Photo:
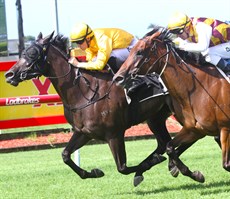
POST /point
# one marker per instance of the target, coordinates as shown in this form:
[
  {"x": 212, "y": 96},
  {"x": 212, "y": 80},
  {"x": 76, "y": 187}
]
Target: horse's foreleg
[
  {"x": 77, "y": 141},
  {"x": 157, "y": 125},
  {"x": 162, "y": 136},
  {"x": 117, "y": 146},
  {"x": 183, "y": 137},
  {"x": 172, "y": 166},
  {"x": 217, "y": 139},
  {"x": 225, "y": 144}
]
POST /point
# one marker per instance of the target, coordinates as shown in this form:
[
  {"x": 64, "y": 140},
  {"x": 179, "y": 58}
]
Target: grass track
[{"x": 43, "y": 175}]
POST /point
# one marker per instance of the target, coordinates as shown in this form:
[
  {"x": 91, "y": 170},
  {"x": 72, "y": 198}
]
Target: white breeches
[
  {"x": 123, "y": 53},
  {"x": 215, "y": 53}
]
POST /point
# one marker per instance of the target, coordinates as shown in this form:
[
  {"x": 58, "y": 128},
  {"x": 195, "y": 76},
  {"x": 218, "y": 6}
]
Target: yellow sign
[{"x": 32, "y": 87}]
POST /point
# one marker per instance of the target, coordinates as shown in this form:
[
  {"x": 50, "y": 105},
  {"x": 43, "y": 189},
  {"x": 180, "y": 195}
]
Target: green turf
[{"x": 43, "y": 175}]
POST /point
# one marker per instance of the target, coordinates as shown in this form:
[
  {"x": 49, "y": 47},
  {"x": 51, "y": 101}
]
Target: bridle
[
  {"x": 40, "y": 58},
  {"x": 33, "y": 55},
  {"x": 146, "y": 58}
]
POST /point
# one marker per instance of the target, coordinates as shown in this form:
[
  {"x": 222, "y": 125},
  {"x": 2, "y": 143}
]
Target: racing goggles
[
  {"x": 80, "y": 42},
  {"x": 177, "y": 31}
]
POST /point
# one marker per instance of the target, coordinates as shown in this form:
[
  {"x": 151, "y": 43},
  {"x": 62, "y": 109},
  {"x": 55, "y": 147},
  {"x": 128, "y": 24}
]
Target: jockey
[
  {"x": 102, "y": 46},
  {"x": 207, "y": 36}
]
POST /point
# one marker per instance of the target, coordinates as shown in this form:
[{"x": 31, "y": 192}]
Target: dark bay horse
[
  {"x": 94, "y": 106},
  {"x": 200, "y": 95}
]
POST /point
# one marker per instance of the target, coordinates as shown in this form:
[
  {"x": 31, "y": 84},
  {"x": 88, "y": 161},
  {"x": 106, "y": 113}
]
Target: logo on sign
[
  {"x": 43, "y": 90},
  {"x": 21, "y": 101}
]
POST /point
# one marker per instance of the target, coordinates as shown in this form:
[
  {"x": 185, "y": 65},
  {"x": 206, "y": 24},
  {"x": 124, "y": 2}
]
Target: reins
[
  {"x": 66, "y": 58},
  {"x": 194, "y": 75},
  {"x": 168, "y": 50},
  {"x": 167, "y": 58},
  {"x": 91, "y": 101},
  {"x": 87, "y": 82}
]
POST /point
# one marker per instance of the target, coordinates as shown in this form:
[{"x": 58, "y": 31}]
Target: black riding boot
[
  {"x": 112, "y": 62},
  {"x": 224, "y": 66}
]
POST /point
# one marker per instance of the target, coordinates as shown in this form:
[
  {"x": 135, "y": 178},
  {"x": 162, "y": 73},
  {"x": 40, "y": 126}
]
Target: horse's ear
[
  {"x": 156, "y": 34},
  {"x": 48, "y": 38},
  {"x": 39, "y": 36}
]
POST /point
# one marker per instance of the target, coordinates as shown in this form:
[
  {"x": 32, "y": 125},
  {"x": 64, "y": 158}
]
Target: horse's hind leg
[
  {"x": 225, "y": 144},
  {"x": 77, "y": 141}
]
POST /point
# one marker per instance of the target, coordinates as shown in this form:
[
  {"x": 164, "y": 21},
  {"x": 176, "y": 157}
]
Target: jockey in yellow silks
[
  {"x": 207, "y": 36},
  {"x": 100, "y": 45}
]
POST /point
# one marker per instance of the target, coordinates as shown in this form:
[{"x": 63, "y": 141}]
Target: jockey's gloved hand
[
  {"x": 73, "y": 61},
  {"x": 69, "y": 53},
  {"x": 179, "y": 43}
]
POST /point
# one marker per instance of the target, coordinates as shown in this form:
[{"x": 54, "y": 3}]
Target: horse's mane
[
  {"x": 167, "y": 37},
  {"x": 165, "y": 34},
  {"x": 61, "y": 42}
]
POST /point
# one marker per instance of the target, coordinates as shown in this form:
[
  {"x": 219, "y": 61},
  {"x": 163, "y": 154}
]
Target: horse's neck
[
  {"x": 81, "y": 87},
  {"x": 60, "y": 72},
  {"x": 187, "y": 80},
  {"x": 78, "y": 88}
]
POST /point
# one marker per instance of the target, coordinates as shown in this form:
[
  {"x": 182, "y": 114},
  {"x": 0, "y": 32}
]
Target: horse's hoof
[
  {"x": 198, "y": 176},
  {"x": 97, "y": 173},
  {"x": 227, "y": 167},
  {"x": 174, "y": 171},
  {"x": 138, "y": 180}
]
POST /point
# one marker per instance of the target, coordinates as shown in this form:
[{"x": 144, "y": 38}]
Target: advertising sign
[{"x": 22, "y": 104}]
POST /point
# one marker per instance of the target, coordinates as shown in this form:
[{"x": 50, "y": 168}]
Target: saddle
[{"x": 199, "y": 59}]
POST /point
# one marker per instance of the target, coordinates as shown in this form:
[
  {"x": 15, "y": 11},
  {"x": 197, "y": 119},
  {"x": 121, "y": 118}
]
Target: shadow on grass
[{"x": 204, "y": 189}]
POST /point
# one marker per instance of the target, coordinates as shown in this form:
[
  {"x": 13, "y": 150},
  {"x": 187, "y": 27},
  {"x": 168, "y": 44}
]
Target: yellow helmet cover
[
  {"x": 80, "y": 31},
  {"x": 178, "y": 21}
]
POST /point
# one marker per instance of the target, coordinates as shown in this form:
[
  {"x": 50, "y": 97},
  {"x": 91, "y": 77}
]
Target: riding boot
[
  {"x": 224, "y": 66},
  {"x": 112, "y": 63}
]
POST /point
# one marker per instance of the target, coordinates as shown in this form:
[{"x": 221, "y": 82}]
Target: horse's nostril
[
  {"x": 9, "y": 74},
  {"x": 119, "y": 79}
]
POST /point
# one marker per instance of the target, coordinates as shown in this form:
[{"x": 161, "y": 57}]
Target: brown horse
[
  {"x": 200, "y": 95},
  {"x": 94, "y": 106}
]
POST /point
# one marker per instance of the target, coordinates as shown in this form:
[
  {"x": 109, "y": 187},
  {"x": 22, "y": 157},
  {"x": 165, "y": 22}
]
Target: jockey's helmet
[
  {"x": 80, "y": 32},
  {"x": 178, "y": 22}
]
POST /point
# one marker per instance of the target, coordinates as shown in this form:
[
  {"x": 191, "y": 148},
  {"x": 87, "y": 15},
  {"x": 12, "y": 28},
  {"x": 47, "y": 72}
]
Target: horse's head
[
  {"x": 30, "y": 64},
  {"x": 148, "y": 54}
]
